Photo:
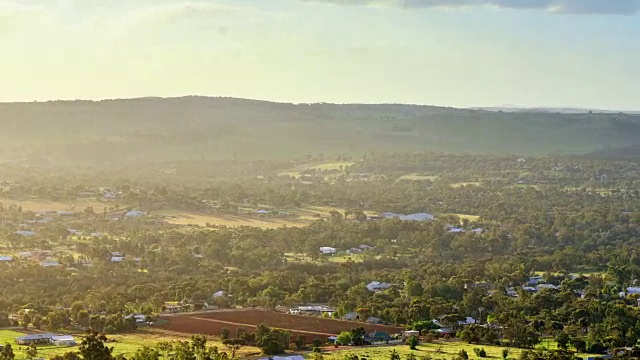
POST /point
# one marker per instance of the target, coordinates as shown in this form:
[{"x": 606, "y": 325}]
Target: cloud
[{"x": 578, "y": 7}]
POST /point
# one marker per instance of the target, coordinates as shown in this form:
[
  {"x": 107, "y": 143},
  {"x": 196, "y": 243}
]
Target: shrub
[
  {"x": 505, "y": 353},
  {"x": 462, "y": 355},
  {"x": 480, "y": 352}
]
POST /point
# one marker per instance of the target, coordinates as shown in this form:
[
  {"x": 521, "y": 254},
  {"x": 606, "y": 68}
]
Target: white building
[
  {"x": 378, "y": 286},
  {"x": 326, "y": 250}
]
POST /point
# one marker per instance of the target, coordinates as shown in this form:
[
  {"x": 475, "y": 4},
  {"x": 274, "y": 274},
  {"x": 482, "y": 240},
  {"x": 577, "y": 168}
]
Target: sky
[{"x": 462, "y": 53}]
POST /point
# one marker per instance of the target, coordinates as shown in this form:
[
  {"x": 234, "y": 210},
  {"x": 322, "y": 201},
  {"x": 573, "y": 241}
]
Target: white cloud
[{"x": 617, "y": 7}]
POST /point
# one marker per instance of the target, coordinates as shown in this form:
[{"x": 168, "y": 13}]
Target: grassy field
[
  {"x": 296, "y": 217},
  {"x": 442, "y": 350},
  {"x": 418, "y": 177},
  {"x": 126, "y": 344},
  {"x": 465, "y": 183},
  {"x": 466, "y": 216},
  {"x": 41, "y": 205}
]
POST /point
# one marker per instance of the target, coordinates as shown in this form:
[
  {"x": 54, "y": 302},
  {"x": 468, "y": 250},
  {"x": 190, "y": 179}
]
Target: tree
[
  {"x": 92, "y": 347},
  {"x": 6, "y": 353},
  {"x": 413, "y": 342},
  {"x": 563, "y": 340},
  {"x": 357, "y": 336},
  {"x": 462, "y": 355},
  {"x": 344, "y": 338},
  {"x": 32, "y": 351},
  {"x": 146, "y": 353},
  {"x": 412, "y": 356},
  {"x": 67, "y": 356},
  {"x": 37, "y": 321},
  {"x": 233, "y": 345},
  {"x": 26, "y": 320},
  {"x": 83, "y": 318},
  {"x": 394, "y": 355},
  {"x": 224, "y": 334},
  {"x": 300, "y": 340},
  {"x": 579, "y": 344},
  {"x": 505, "y": 353}
]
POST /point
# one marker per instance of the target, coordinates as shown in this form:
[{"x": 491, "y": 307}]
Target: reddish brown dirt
[{"x": 211, "y": 323}]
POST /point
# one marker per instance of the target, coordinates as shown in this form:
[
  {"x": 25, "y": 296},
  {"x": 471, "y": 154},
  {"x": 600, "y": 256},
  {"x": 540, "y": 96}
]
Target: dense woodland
[{"x": 574, "y": 219}]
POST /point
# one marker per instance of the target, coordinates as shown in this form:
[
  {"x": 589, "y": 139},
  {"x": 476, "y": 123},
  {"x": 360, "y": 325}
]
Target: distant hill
[
  {"x": 202, "y": 128},
  {"x": 564, "y": 110}
]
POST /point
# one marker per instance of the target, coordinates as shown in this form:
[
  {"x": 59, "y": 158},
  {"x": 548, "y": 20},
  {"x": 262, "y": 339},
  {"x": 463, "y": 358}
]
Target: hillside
[{"x": 199, "y": 128}]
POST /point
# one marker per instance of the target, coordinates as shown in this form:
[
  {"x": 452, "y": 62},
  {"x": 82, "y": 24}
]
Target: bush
[
  {"x": 480, "y": 352},
  {"x": 579, "y": 344},
  {"x": 505, "y": 353},
  {"x": 413, "y": 342},
  {"x": 462, "y": 355},
  {"x": 597, "y": 348}
]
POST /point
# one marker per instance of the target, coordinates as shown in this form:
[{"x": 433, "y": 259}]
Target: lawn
[
  {"x": 440, "y": 350},
  {"x": 41, "y": 205},
  {"x": 126, "y": 344}
]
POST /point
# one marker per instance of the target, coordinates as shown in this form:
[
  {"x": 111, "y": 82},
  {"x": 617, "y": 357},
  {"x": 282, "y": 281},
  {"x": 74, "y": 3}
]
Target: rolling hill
[{"x": 202, "y": 128}]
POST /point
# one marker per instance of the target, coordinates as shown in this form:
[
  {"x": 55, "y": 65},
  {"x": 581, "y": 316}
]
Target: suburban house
[
  {"x": 135, "y": 214},
  {"x": 352, "y": 316},
  {"x": 410, "y": 217},
  {"x": 312, "y": 310},
  {"x": 140, "y": 319},
  {"x": 64, "y": 340},
  {"x": 49, "y": 263},
  {"x": 42, "y": 338},
  {"x": 6, "y": 258},
  {"x": 410, "y": 333},
  {"x": 456, "y": 230},
  {"x": 326, "y": 250},
  {"x": 219, "y": 294},
  {"x": 377, "y": 337},
  {"x": 378, "y": 286},
  {"x": 26, "y": 233},
  {"x": 286, "y": 357}
]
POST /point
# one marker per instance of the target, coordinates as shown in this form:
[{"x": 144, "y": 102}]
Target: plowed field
[{"x": 212, "y": 323}]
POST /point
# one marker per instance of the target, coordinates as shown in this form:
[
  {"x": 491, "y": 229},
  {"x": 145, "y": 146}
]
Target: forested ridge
[{"x": 116, "y": 132}]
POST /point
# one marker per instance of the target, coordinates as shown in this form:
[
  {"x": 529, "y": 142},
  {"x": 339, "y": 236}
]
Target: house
[
  {"x": 140, "y": 319},
  {"x": 49, "y": 263},
  {"x": 26, "y": 233},
  {"x": 377, "y": 337},
  {"x": 110, "y": 196},
  {"x": 312, "y": 310},
  {"x": 219, "y": 294},
  {"x": 365, "y": 247},
  {"x": 326, "y": 250},
  {"x": 6, "y": 259},
  {"x": 374, "y": 320},
  {"x": 64, "y": 340},
  {"x": 453, "y": 229},
  {"x": 352, "y": 316},
  {"x": 285, "y": 357},
  {"x": 42, "y": 338},
  {"x": 410, "y": 217},
  {"x": 262, "y": 212},
  {"x": 533, "y": 280},
  {"x": 468, "y": 321},
  {"x": 547, "y": 286},
  {"x": 378, "y": 286},
  {"x": 410, "y": 333},
  {"x": 354, "y": 251},
  {"x": 478, "y": 231},
  {"x": 135, "y": 214},
  {"x": 117, "y": 259},
  {"x": 25, "y": 254}
]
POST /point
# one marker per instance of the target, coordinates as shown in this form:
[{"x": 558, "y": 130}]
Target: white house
[
  {"x": 218, "y": 294},
  {"x": 63, "y": 340},
  {"x": 26, "y": 233},
  {"x": 6, "y": 258},
  {"x": 378, "y": 286},
  {"x": 326, "y": 250},
  {"x": 410, "y": 217},
  {"x": 117, "y": 259},
  {"x": 135, "y": 214},
  {"x": 49, "y": 263},
  {"x": 287, "y": 357},
  {"x": 453, "y": 229}
]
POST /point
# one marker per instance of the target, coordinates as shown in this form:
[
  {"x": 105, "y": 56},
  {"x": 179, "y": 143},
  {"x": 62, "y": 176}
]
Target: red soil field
[{"x": 211, "y": 323}]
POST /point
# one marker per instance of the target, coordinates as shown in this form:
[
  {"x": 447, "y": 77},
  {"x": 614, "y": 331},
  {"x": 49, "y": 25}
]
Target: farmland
[{"x": 311, "y": 327}]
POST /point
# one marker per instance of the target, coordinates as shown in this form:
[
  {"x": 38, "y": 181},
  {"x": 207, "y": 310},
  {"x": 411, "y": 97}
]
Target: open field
[
  {"x": 465, "y": 183},
  {"x": 296, "y": 218},
  {"x": 41, "y": 205},
  {"x": 439, "y": 350},
  {"x": 311, "y": 327},
  {"x": 418, "y": 177},
  {"x": 466, "y": 216},
  {"x": 126, "y": 344}
]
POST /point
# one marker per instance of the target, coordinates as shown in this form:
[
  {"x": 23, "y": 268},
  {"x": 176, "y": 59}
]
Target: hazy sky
[{"x": 582, "y": 53}]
